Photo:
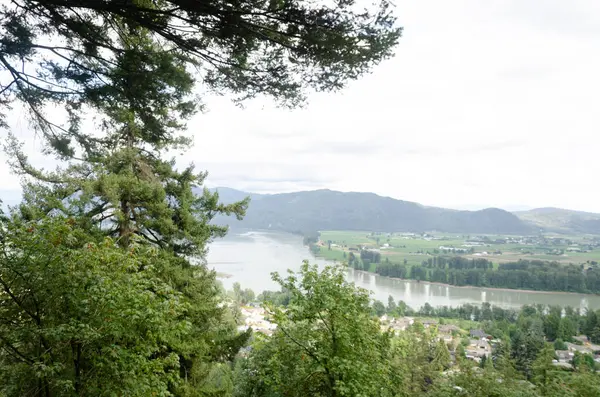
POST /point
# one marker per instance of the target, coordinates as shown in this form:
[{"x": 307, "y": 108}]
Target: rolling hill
[
  {"x": 561, "y": 220},
  {"x": 331, "y": 210}
]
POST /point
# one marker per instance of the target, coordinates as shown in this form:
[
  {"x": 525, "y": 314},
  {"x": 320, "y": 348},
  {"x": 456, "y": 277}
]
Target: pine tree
[
  {"x": 129, "y": 63},
  {"x": 120, "y": 187},
  {"x": 543, "y": 368},
  {"x": 248, "y": 48}
]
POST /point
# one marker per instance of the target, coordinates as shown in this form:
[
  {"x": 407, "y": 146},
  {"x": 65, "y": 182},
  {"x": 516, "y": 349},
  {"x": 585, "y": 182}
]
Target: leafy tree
[
  {"x": 326, "y": 342},
  {"x": 120, "y": 188},
  {"x": 84, "y": 318},
  {"x": 488, "y": 382},
  {"x": 582, "y": 383},
  {"x": 583, "y": 362},
  {"x": 552, "y": 324},
  {"x": 503, "y": 363},
  {"x": 392, "y": 307},
  {"x": 378, "y": 308},
  {"x": 241, "y": 296},
  {"x": 595, "y": 334},
  {"x": 460, "y": 352},
  {"x": 441, "y": 356},
  {"x": 559, "y": 344},
  {"x": 591, "y": 322},
  {"x": 566, "y": 329},
  {"x": 417, "y": 361}
]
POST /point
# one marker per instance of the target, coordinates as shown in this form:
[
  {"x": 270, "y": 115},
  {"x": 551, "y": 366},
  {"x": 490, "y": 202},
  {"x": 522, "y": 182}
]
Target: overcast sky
[{"x": 485, "y": 104}]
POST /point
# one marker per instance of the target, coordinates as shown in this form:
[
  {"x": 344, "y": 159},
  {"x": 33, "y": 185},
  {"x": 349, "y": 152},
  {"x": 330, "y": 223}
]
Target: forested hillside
[
  {"x": 330, "y": 210},
  {"x": 562, "y": 220}
]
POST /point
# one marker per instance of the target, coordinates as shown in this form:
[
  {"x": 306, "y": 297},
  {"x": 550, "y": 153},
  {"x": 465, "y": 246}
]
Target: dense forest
[{"x": 524, "y": 274}]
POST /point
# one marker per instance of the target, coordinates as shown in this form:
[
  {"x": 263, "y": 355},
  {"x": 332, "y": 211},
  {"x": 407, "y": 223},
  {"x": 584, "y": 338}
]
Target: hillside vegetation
[
  {"x": 331, "y": 210},
  {"x": 561, "y": 220}
]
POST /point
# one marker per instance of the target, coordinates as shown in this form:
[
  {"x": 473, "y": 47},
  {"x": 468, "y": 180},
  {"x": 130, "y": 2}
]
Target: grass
[{"x": 416, "y": 249}]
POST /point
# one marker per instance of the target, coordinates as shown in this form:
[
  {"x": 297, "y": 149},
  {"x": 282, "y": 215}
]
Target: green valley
[{"x": 545, "y": 263}]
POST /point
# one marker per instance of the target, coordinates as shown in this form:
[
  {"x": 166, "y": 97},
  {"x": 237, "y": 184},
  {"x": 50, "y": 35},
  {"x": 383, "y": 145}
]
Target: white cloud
[{"x": 482, "y": 106}]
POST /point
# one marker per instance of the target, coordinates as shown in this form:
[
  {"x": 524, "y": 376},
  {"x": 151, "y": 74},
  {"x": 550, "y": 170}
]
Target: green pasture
[{"x": 415, "y": 249}]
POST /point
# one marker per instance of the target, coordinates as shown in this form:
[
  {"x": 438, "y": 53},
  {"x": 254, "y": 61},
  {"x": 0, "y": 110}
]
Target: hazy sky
[{"x": 485, "y": 104}]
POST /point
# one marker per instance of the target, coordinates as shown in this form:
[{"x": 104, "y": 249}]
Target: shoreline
[
  {"x": 479, "y": 287},
  {"x": 532, "y": 291}
]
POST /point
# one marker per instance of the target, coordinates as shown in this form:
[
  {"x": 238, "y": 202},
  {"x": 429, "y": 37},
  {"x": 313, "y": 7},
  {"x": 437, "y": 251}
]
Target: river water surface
[{"x": 250, "y": 257}]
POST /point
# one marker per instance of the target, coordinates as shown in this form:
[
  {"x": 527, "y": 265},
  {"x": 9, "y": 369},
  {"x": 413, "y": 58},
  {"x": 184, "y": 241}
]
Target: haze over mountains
[{"x": 310, "y": 211}]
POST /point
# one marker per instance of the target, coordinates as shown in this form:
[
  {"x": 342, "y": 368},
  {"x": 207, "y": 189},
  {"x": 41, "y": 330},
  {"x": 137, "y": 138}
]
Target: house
[
  {"x": 477, "y": 333},
  {"x": 564, "y": 356},
  {"x": 256, "y": 318},
  {"x": 581, "y": 349},
  {"x": 428, "y": 323},
  {"x": 401, "y": 324},
  {"x": 448, "y": 328},
  {"x": 477, "y": 349}
]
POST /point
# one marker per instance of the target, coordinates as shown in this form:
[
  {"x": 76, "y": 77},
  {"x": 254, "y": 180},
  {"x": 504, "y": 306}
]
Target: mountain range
[{"x": 309, "y": 211}]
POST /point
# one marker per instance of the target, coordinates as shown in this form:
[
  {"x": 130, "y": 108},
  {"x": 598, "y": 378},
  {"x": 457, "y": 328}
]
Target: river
[{"x": 250, "y": 257}]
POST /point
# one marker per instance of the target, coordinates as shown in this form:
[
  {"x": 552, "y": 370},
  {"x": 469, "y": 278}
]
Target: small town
[{"x": 475, "y": 342}]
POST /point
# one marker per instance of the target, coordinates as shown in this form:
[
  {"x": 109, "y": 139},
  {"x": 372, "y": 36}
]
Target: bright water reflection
[{"x": 250, "y": 257}]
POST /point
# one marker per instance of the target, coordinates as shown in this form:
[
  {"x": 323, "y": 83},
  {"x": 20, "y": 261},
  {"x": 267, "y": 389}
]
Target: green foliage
[
  {"x": 559, "y": 344},
  {"x": 526, "y": 345},
  {"x": 275, "y": 298},
  {"x": 417, "y": 361},
  {"x": 84, "y": 318},
  {"x": 119, "y": 184},
  {"x": 247, "y": 48},
  {"x": 129, "y": 313},
  {"x": 121, "y": 189},
  {"x": 486, "y": 382},
  {"x": 542, "y": 367},
  {"x": 326, "y": 342},
  {"x": 378, "y": 308},
  {"x": 521, "y": 274},
  {"x": 242, "y": 297}
]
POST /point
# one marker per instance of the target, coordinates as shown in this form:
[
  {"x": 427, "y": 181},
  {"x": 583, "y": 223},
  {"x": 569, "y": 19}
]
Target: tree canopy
[
  {"x": 104, "y": 287},
  {"x": 326, "y": 342},
  {"x": 70, "y": 52}
]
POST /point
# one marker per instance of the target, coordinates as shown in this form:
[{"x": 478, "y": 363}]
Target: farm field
[{"x": 413, "y": 249}]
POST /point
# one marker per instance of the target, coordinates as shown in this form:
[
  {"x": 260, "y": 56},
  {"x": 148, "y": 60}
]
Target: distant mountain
[
  {"x": 331, "y": 210},
  {"x": 228, "y": 195},
  {"x": 561, "y": 220}
]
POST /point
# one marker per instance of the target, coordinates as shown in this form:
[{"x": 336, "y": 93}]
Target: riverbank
[
  {"x": 505, "y": 289},
  {"x": 251, "y": 259},
  {"x": 530, "y": 291}
]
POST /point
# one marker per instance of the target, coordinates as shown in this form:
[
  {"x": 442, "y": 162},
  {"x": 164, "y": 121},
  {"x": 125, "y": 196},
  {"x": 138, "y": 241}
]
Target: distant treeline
[
  {"x": 555, "y": 322},
  {"x": 523, "y": 274}
]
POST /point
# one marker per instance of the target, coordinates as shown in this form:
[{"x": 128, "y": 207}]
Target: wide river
[{"x": 250, "y": 257}]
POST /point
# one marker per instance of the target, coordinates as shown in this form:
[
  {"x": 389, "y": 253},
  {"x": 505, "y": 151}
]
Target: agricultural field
[{"x": 413, "y": 249}]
